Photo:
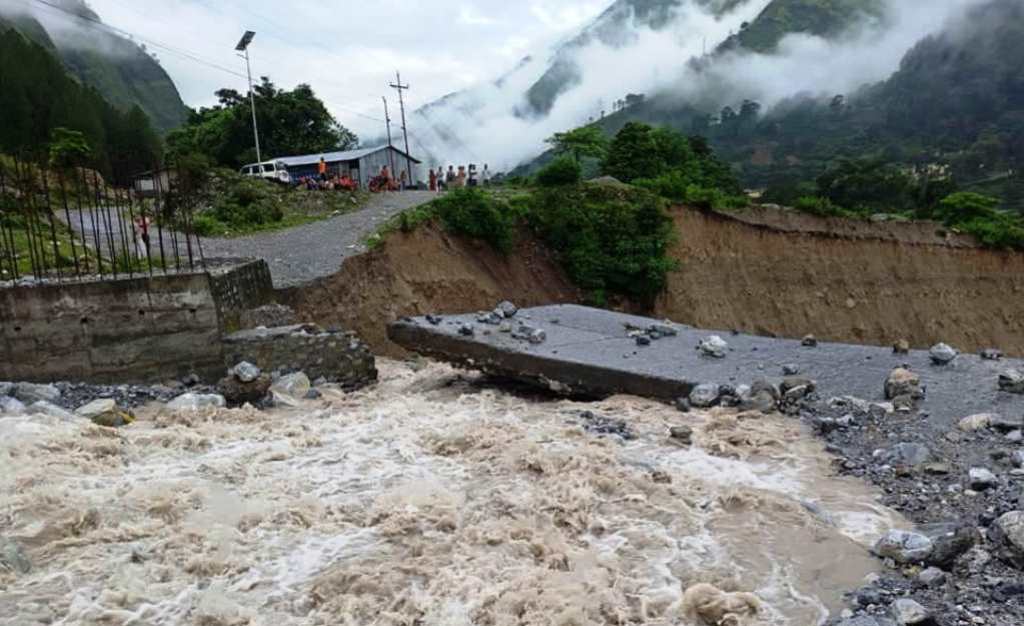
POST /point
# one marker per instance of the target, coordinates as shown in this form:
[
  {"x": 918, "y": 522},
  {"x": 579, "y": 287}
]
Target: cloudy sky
[{"x": 348, "y": 50}]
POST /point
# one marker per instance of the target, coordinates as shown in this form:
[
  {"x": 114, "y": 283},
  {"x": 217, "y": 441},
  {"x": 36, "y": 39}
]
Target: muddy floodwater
[{"x": 428, "y": 499}]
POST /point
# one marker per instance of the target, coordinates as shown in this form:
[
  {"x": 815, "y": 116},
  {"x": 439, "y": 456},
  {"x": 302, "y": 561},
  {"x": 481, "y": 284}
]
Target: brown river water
[{"x": 429, "y": 500}]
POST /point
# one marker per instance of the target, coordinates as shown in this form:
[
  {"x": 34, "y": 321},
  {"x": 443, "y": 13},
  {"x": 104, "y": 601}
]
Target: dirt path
[{"x": 298, "y": 255}]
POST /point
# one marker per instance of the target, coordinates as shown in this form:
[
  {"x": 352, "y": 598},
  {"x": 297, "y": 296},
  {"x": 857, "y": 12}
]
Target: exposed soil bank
[
  {"x": 763, "y": 271},
  {"x": 428, "y": 271},
  {"x": 779, "y": 273}
]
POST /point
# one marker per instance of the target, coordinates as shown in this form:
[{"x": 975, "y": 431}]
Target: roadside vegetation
[{"x": 233, "y": 205}]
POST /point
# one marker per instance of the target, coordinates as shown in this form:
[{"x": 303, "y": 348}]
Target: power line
[
  {"x": 93, "y": 22},
  {"x": 96, "y": 23}
]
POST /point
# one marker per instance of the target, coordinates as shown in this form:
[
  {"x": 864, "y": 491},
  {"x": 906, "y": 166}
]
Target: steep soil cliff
[
  {"x": 428, "y": 271},
  {"x": 776, "y": 272},
  {"x": 765, "y": 271}
]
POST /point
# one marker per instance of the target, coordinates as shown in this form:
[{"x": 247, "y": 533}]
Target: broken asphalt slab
[{"x": 591, "y": 352}]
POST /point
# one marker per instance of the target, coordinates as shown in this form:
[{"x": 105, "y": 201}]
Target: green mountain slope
[
  {"x": 120, "y": 70},
  {"x": 825, "y": 18},
  {"x": 37, "y": 96}
]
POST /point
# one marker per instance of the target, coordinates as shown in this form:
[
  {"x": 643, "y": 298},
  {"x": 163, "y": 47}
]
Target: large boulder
[
  {"x": 904, "y": 547},
  {"x": 1007, "y": 534},
  {"x": 245, "y": 372},
  {"x": 1012, "y": 381},
  {"x": 31, "y": 392},
  {"x": 105, "y": 412},
  {"x": 237, "y": 391},
  {"x": 903, "y": 382},
  {"x": 196, "y": 401}
]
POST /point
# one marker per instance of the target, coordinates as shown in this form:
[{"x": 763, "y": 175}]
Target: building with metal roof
[{"x": 361, "y": 165}]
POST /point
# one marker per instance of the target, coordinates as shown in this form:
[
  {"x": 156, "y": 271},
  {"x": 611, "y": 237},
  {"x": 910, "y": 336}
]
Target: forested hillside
[
  {"x": 38, "y": 96},
  {"x": 119, "y": 69}
]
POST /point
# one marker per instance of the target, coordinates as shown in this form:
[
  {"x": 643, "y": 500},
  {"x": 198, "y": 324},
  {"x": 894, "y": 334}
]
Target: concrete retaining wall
[
  {"x": 238, "y": 287},
  {"x": 110, "y": 331}
]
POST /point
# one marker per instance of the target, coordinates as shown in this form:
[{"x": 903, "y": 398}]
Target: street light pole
[{"x": 243, "y": 46}]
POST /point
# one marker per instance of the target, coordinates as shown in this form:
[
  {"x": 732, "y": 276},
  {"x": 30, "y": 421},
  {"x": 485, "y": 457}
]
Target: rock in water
[
  {"x": 237, "y": 392},
  {"x": 704, "y": 396},
  {"x": 105, "y": 412},
  {"x": 1008, "y": 535},
  {"x": 714, "y": 346},
  {"x": 11, "y": 406},
  {"x": 30, "y": 392},
  {"x": 46, "y": 408},
  {"x": 714, "y": 606},
  {"x": 13, "y": 558},
  {"x": 943, "y": 354},
  {"x": 904, "y": 547},
  {"x": 1012, "y": 381},
  {"x": 290, "y": 388},
  {"x": 907, "y": 612},
  {"x": 682, "y": 434},
  {"x": 810, "y": 341},
  {"x": 901, "y": 347},
  {"x": 245, "y": 372},
  {"x": 196, "y": 401},
  {"x": 903, "y": 382}
]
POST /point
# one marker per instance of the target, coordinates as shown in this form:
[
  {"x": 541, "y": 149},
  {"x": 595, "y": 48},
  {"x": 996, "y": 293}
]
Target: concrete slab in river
[{"x": 590, "y": 351}]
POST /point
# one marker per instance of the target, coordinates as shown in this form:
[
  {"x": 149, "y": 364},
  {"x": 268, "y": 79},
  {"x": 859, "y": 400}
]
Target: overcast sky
[{"x": 348, "y": 50}]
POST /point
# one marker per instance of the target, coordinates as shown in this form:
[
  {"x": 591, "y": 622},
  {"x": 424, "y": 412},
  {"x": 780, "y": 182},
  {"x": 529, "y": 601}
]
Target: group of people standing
[{"x": 442, "y": 180}]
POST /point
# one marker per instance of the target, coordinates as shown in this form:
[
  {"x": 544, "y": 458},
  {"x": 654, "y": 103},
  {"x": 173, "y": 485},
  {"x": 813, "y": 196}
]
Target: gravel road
[{"x": 305, "y": 253}]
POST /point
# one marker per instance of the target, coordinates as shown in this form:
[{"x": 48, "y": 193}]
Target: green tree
[
  {"x": 586, "y": 141},
  {"x": 634, "y": 154},
  {"x": 68, "y": 148},
  {"x": 564, "y": 170},
  {"x": 290, "y": 123}
]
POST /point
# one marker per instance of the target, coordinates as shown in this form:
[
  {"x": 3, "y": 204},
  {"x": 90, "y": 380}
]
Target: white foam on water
[{"x": 427, "y": 499}]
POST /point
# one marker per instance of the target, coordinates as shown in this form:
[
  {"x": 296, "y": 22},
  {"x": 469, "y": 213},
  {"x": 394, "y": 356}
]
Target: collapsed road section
[{"x": 584, "y": 351}]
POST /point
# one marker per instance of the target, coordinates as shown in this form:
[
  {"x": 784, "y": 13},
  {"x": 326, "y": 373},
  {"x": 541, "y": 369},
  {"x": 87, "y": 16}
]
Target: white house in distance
[{"x": 361, "y": 165}]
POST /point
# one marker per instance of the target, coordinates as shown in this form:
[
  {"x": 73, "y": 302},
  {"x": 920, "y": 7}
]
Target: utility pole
[
  {"x": 243, "y": 46},
  {"x": 387, "y": 121},
  {"x": 405, "y": 131}
]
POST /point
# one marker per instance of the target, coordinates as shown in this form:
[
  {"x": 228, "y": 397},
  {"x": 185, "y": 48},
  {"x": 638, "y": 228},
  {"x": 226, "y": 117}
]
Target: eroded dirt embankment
[
  {"x": 428, "y": 271},
  {"x": 776, "y": 273},
  {"x": 763, "y": 271}
]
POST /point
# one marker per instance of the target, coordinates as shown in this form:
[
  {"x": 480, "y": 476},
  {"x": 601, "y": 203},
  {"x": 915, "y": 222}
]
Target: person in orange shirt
[{"x": 322, "y": 169}]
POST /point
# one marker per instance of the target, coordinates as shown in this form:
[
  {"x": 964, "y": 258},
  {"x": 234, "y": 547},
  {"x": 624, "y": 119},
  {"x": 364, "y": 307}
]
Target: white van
[{"x": 270, "y": 170}]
